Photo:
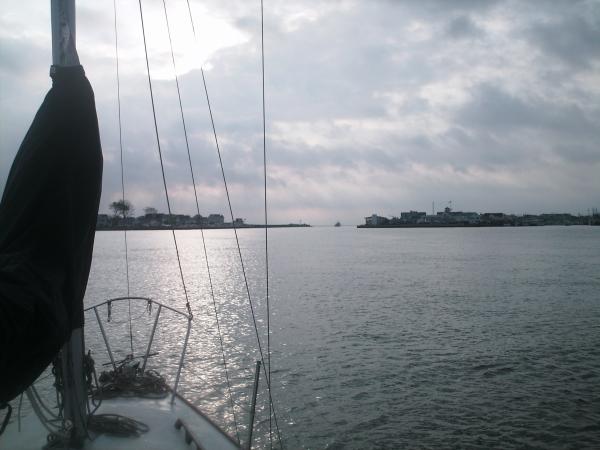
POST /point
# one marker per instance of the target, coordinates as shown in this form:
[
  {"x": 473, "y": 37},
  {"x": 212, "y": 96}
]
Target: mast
[{"x": 64, "y": 54}]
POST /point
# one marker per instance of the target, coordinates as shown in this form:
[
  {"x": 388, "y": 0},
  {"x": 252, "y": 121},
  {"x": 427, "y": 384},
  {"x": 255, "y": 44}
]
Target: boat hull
[{"x": 160, "y": 415}]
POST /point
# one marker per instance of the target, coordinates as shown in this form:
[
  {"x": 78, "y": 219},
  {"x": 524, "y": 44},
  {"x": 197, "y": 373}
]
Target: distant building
[
  {"x": 154, "y": 220},
  {"x": 181, "y": 220},
  {"x": 216, "y": 219},
  {"x": 496, "y": 219},
  {"x": 558, "y": 219},
  {"x": 449, "y": 216},
  {"x": 430, "y": 219},
  {"x": 128, "y": 222},
  {"x": 412, "y": 216},
  {"x": 102, "y": 221},
  {"x": 375, "y": 220},
  {"x": 529, "y": 220}
]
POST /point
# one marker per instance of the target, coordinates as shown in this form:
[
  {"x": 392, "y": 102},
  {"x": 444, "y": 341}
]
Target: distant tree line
[
  {"x": 122, "y": 216},
  {"x": 122, "y": 208}
]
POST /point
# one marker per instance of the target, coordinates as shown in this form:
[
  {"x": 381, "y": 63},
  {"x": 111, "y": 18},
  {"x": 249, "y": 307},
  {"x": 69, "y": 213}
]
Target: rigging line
[
  {"x": 162, "y": 167},
  {"x": 243, "y": 268},
  {"x": 122, "y": 170},
  {"x": 239, "y": 250},
  {"x": 187, "y": 145},
  {"x": 262, "y": 47}
]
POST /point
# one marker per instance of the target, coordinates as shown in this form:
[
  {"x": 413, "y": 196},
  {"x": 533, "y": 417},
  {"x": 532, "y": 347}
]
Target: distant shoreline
[
  {"x": 470, "y": 219},
  {"x": 188, "y": 227},
  {"x": 469, "y": 225}
]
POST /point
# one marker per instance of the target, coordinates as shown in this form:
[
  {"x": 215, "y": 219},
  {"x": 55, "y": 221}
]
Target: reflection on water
[
  {"x": 154, "y": 273},
  {"x": 441, "y": 338}
]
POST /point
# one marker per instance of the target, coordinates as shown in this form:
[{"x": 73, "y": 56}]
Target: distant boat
[{"x": 337, "y": 224}]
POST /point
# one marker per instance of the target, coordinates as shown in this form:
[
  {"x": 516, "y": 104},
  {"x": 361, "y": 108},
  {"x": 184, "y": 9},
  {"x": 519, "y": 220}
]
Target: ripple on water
[{"x": 390, "y": 339}]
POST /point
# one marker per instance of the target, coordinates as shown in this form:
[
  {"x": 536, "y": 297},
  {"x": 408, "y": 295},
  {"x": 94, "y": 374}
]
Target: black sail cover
[{"x": 47, "y": 224}]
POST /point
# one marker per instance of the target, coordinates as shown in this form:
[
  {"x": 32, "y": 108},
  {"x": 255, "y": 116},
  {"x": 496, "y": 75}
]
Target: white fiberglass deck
[{"x": 159, "y": 415}]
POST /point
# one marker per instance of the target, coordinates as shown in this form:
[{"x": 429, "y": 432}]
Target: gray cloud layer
[{"x": 374, "y": 106}]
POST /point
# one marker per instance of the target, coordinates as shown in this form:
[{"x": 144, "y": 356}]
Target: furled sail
[{"x": 47, "y": 224}]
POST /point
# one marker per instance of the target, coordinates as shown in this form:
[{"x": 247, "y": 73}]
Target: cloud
[
  {"x": 574, "y": 40},
  {"x": 495, "y": 109},
  {"x": 463, "y": 27}
]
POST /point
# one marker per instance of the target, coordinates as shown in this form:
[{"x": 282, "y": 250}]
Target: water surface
[{"x": 385, "y": 338}]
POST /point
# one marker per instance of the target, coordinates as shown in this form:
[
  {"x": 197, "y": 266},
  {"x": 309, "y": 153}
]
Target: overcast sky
[{"x": 372, "y": 106}]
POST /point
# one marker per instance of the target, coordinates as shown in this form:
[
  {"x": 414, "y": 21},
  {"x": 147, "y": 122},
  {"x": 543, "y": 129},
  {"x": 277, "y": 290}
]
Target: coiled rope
[
  {"x": 128, "y": 380},
  {"x": 116, "y": 425}
]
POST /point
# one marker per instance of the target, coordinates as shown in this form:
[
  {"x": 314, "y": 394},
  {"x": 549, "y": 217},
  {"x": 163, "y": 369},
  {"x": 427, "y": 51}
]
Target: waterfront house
[{"x": 375, "y": 220}]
